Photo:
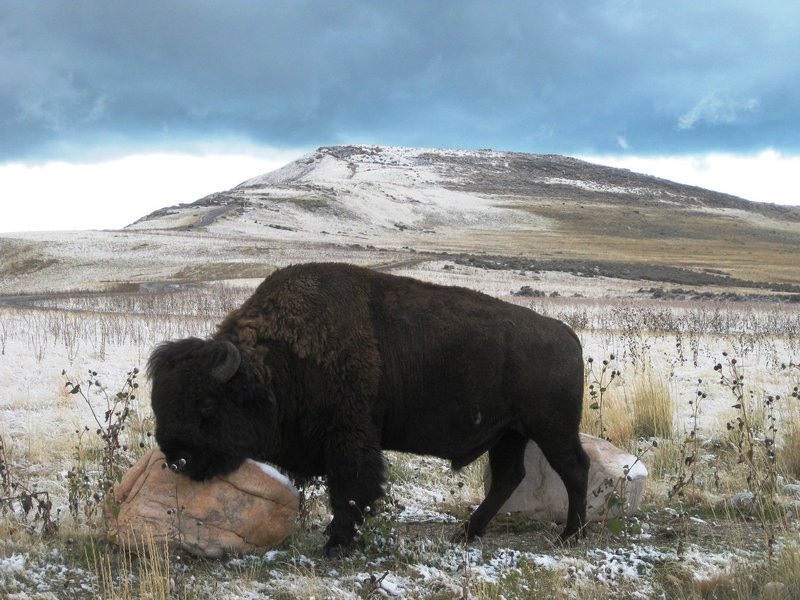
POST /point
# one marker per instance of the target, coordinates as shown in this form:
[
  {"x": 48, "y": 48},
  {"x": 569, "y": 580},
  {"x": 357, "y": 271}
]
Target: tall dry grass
[
  {"x": 653, "y": 403},
  {"x": 789, "y": 456},
  {"x": 635, "y": 405},
  {"x": 145, "y": 571}
]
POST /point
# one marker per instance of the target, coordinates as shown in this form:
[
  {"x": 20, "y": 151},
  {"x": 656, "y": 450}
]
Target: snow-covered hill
[
  {"x": 363, "y": 192},
  {"x": 352, "y": 193},
  {"x": 378, "y": 205}
]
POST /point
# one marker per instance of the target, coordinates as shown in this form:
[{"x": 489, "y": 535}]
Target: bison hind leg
[
  {"x": 506, "y": 460},
  {"x": 571, "y": 463}
]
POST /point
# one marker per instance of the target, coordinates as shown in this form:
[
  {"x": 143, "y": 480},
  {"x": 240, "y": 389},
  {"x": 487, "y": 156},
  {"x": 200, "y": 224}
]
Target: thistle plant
[
  {"x": 754, "y": 438},
  {"x": 690, "y": 448},
  {"x": 90, "y": 489},
  {"x": 599, "y": 383}
]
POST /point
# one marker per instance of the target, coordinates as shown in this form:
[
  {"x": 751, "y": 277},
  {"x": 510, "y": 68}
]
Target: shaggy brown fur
[{"x": 334, "y": 363}]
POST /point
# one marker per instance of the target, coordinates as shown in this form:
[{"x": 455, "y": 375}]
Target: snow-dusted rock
[
  {"x": 792, "y": 490},
  {"x": 542, "y": 494},
  {"x": 251, "y": 509},
  {"x": 744, "y": 502}
]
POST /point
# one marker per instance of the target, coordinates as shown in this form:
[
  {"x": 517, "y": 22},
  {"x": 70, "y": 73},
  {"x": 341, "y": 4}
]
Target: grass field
[{"x": 706, "y": 393}]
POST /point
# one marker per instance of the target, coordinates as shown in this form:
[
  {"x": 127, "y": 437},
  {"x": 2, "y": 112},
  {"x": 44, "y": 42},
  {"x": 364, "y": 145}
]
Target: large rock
[
  {"x": 251, "y": 509},
  {"x": 542, "y": 494}
]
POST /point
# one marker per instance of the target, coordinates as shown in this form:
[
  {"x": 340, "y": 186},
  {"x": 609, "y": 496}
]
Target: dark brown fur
[{"x": 340, "y": 362}]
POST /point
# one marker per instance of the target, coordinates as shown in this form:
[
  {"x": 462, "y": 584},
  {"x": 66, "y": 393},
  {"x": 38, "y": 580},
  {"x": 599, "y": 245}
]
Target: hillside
[{"x": 382, "y": 206}]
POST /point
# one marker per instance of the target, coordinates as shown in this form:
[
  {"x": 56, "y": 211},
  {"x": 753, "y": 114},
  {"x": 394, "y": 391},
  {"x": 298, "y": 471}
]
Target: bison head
[{"x": 203, "y": 398}]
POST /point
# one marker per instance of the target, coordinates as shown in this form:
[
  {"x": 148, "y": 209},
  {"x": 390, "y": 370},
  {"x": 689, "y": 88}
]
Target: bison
[{"x": 326, "y": 365}]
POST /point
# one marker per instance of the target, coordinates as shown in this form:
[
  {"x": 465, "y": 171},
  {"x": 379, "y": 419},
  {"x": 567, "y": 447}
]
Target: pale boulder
[
  {"x": 542, "y": 494},
  {"x": 251, "y": 509}
]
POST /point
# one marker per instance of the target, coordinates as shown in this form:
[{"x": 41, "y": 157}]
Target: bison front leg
[{"x": 355, "y": 470}]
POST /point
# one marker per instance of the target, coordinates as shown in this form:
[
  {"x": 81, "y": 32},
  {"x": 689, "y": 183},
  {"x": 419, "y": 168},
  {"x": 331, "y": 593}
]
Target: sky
[{"x": 110, "y": 110}]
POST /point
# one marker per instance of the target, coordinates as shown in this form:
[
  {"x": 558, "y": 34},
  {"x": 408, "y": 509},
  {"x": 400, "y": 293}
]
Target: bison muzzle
[{"x": 326, "y": 365}]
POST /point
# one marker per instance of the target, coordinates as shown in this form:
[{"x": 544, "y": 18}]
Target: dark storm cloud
[{"x": 651, "y": 77}]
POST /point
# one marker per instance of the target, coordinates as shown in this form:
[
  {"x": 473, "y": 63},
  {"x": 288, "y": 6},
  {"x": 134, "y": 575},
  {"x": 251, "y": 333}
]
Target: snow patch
[
  {"x": 271, "y": 471},
  {"x": 594, "y": 186},
  {"x": 11, "y": 565}
]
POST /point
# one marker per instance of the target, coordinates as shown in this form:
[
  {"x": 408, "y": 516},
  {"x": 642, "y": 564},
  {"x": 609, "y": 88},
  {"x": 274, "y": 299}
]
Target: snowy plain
[{"x": 40, "y": 421}]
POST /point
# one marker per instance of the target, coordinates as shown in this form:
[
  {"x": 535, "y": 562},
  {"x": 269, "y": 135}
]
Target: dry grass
[
  {"x": 142, "y": 572},
  {"x": 789, "y": 456},
  {"x": 778, "y": 579},
  {"x": 642, "y": 406},
  {"x": 639, "y": 403},
  {"x": 653, "y": 406},
  {"x": 752, "y": 249}
]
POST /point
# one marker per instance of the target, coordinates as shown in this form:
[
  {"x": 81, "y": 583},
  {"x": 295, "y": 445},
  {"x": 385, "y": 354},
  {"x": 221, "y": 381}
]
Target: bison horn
[{"x": 227, "y": 369}]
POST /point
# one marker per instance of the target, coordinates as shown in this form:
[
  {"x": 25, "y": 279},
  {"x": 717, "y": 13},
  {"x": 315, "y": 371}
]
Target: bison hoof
[
  {"x": 570, "y": 539},
  {"x": 566, "y": 542},
  {"x": 462, "y": 535},
  {"x": 336, "y": 550}
]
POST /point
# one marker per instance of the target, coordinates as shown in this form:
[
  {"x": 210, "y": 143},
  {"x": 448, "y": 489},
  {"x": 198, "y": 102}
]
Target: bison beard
[{"x": 326, "y": 365}]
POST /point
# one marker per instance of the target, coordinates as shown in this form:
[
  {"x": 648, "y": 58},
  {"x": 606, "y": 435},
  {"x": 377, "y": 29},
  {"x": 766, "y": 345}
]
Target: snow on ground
[
  {"x": 359, "y": 195},
  {"x": 271, "y": 471},
  {"x": 387, "y": 201},
  {"x": 454, "y": 570},
  {"x": 594, "y": 186},
  {"x": 451, "y": 571},
  {"x": 91, "y": 259},
  {"x": 384, "y": 163},
  {"x": 39, "y": 418},
  {"x": 35, "y": 407},
  {"x": 37, "y": 345}
]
